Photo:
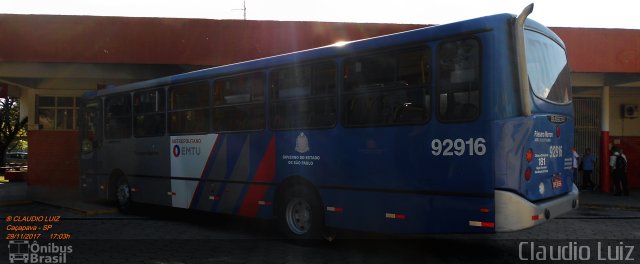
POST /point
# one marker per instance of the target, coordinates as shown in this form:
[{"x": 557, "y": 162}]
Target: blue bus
[{"x": 458, "y": 128}]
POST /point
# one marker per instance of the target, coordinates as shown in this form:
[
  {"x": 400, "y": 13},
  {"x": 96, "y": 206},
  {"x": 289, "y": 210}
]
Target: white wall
[{"x": 619, "y": 126}]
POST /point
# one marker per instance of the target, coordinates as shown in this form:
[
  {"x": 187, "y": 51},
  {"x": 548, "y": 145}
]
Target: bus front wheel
[
  {"x": 123, "y": 195},
  {"x": 300, "y": 215}
]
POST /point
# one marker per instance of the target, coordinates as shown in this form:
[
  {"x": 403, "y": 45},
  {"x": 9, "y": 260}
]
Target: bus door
[{"x": 90, "y": 143}]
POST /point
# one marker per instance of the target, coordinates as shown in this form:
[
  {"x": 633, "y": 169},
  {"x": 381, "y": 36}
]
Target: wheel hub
[{"x": 298, "y": 216}]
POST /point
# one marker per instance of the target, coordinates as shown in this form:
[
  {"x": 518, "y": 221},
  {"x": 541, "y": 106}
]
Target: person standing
[
  {"x": 618, "y": 164},
  {"x": 587, "y": 164}
]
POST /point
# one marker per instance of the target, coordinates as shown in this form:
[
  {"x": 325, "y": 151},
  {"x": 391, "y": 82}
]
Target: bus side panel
[
  {"x": 118, "y": 155},
  {"x": 407, "y": 213},
  {"x": 129, "y": 158},
  {"x": 511, "y": 137},
  {"x": 95, "y": 185},
  {"x": 189, "y": 157},
  {"x": 149, "y": 156},
  {"x": 393, "y": 170},
  {"x": 311, "y": 154},
  {"x": 239, "y": 171},
  {"x": 150, "y": 190},
  {"x": 403, "y": 158}
]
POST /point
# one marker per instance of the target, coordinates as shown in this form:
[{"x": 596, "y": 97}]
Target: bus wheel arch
[
  {"x": 120, "y": 190},
  {"x": 299, "y": 209}
]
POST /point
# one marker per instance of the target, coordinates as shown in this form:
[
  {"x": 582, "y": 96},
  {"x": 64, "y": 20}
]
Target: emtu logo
[
  {"x": 176, "y": 151},
  {"x": 185, "y": 151}
]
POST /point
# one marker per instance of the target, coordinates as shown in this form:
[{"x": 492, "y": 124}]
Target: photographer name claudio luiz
[{"x": 614, "y": 251}]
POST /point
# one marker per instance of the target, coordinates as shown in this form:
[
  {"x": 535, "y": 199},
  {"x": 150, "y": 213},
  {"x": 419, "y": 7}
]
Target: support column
[
  {"x": 605, "y": 176},
  {"x": 27, "y": 104}
]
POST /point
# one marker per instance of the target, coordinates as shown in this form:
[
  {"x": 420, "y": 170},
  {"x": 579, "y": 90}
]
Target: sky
[{"x": 553, "y": 13}]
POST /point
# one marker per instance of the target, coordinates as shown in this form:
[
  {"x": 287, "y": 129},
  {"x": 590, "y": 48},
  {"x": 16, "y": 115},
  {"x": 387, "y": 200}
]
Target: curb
[
  {"x": 602, "y": 206},
  {"x": 15, "y": 202},
  {"x": 85, "y": 212}
]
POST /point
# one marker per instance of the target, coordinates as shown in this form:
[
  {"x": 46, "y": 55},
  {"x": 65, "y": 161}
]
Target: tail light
[
  {"x": 529, "y": 155},
  {"x": 527, "y": 174}
]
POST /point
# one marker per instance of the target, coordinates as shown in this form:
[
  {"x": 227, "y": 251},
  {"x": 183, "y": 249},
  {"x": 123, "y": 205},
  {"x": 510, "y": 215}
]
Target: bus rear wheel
[
  {"x": 123, "y": 195},
  {"x": 300, "y": 215}
]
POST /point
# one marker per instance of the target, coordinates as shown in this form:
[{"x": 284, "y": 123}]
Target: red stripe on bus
[
  {"x": 265, "y": 173},
  {"x": 203, "y": 174}
]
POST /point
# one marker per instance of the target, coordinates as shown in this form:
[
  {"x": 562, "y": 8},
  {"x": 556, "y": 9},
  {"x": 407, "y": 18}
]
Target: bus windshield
[{"x": 548, "y": 68}]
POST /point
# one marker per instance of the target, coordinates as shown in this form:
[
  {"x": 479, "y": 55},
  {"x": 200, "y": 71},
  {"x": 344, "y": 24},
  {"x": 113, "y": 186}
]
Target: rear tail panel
[
  {"x": 533, "y": 171},
  {"x": 533, "y": 157},
  {"x": 548, "y": 158}
]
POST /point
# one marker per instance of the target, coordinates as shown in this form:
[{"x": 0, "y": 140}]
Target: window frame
[
  {"x": 437, "y": 87},
  {"x": 250, "y": 103},
  {"x": 205, "y": 108},
  {"x": 107, "y": 118},
  {"x": 425, "y": 89},
  {"x": 74, "y": 108},
  {"x": 160, "y": 111},
  {"x": 308, "y": 100},
  {"x": 567, "y": 68}
]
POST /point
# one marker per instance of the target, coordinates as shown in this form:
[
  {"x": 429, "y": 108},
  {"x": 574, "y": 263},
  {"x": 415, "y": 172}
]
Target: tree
[{"x": 10, "y": 125}]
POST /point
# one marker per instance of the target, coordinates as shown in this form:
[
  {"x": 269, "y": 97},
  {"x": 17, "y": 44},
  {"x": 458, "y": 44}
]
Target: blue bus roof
[{"x": 397, "y": 39}]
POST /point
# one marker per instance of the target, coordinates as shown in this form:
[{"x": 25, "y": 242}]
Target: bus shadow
[{"x": 263, "y": 236}]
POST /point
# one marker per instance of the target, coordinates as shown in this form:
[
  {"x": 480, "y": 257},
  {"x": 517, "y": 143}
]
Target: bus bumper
[{"x": 513, "y": 212}]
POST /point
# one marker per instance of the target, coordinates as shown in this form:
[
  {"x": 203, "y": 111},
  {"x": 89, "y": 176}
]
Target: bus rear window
[{"x": 548, "y": 68}]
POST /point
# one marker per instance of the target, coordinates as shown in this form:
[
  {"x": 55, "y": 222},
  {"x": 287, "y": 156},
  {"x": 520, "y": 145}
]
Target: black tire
[
  {"x": 122, "y": 193},
  {"x": 300, "y": 215}
]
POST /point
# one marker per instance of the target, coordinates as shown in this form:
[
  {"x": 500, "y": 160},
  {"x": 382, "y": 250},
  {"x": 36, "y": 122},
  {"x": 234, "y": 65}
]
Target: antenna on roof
[{"x": 244, "y": 9}]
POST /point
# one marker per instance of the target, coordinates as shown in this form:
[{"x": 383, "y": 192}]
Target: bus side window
[
  {"x": 239, "y": 103},
  {"x": 459, "y": 80},
  {"x": 189, "y": 108},
  {"x": 117, "y": 121},
  {"x": 90, "y": 121},
  {"x": 390, "y": 88},
  {"x": 149, "y": 114},
  {"x": 304, "y": 96}
]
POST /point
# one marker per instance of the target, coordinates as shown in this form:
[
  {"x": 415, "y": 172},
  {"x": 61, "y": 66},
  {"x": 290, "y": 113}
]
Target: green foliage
[{"x": 13, "y": 134}]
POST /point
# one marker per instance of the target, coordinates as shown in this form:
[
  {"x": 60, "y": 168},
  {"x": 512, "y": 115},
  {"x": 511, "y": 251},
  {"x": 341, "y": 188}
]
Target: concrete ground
[{"x": 99, "y": 234}]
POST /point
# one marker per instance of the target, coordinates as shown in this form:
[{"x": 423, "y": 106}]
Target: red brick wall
[{"x": 54, "y": 158}]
